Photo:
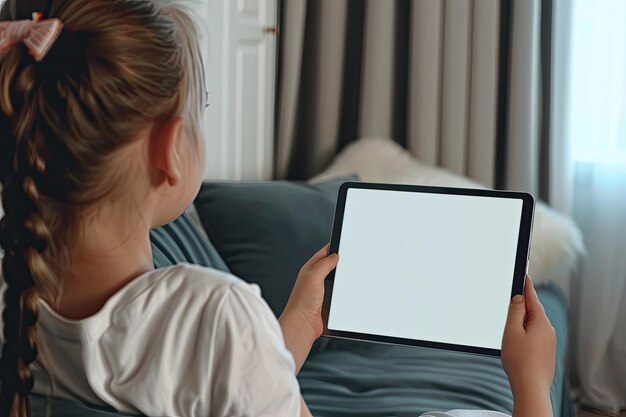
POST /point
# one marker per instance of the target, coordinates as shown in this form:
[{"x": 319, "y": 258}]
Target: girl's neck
[{"x": 105, "y": 257}]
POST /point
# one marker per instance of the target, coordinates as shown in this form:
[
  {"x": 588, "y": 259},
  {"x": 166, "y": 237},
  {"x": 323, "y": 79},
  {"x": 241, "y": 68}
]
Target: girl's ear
[{"x": 166, "y": 151}]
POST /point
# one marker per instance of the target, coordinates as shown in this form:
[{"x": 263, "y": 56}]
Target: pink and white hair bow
[{"x": 37, "y": 35}]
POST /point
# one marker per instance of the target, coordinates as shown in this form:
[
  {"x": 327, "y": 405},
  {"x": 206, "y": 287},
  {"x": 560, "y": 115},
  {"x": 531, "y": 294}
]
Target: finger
[
  {"x": 321, "y": 254},
  {"x": 517, "y": 314},
  {"x": 534, "y": 308},
  {"x": 324, "y": 266}
]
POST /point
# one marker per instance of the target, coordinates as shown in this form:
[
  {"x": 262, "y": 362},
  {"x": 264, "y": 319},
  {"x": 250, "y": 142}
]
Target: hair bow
[{"x": 37, "y": 35}]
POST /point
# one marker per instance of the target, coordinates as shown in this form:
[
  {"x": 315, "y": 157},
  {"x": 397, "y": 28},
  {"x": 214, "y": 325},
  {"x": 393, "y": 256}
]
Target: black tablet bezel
[{"x": 519, "y": 273}]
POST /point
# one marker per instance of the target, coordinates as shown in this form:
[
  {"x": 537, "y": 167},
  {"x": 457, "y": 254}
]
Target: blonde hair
[{"x": 116, "y": 65}]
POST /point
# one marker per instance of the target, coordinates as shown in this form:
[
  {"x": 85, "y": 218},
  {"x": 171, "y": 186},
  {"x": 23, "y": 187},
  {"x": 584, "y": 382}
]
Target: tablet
[{"x": 426, "y": 266}]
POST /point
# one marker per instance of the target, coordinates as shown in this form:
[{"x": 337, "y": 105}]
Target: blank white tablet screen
[{"x": 432, "y": 267}]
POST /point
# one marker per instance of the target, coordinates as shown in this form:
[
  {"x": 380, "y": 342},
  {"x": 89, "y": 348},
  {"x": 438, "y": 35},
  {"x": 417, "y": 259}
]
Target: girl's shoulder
[
  {"x": 207, "y": 288},
  {"x": 190, "y": 280},
  {"x": 185, "y": 291}
]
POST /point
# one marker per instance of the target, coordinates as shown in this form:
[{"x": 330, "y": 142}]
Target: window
[{"x": 597, "y": 82}]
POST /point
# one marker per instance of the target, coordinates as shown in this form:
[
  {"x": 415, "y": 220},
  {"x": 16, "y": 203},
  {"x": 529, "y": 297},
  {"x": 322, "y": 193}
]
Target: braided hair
[{"x": 116, "y": 65}]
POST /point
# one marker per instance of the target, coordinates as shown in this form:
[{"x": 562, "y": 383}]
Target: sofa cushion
[
  {"x": 266, "y": 231},
  {"x": 65, "y": 408},
  {"x": 182, "y": 241}
]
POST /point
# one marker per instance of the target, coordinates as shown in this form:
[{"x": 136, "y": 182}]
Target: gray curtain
[{"x": 461, "y": 84}]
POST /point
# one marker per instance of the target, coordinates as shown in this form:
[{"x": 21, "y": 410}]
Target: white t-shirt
[{"x": 177, "y": 341}]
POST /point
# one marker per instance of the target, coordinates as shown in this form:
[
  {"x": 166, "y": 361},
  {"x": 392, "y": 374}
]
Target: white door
[{"x": 241, "y": 83}]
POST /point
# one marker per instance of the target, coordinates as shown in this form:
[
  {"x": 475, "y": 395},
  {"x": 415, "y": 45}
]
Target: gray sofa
[{"x": 343, "y": 378}]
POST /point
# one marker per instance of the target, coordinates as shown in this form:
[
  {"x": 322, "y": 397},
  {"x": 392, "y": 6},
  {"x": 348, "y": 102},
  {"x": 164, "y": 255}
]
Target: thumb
[
  {"x": 323, "y": 267},
  {"x": 517, "y": 314},
  {"x": 534, "y": 307}
]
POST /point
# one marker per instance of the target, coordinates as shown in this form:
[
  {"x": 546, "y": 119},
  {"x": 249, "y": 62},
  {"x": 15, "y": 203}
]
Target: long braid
[
  {"x": 25, "y": 237},
  {"x": 117, "y": 65}
]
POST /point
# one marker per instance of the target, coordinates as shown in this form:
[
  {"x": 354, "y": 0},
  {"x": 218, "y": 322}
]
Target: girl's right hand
[{"x": 529, "y": 348}]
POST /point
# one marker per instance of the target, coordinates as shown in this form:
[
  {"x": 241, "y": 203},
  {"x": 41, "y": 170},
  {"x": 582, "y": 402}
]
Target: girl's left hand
[
  {"x": 307, "y": 295},
  {"x": 301, "y": 321}
]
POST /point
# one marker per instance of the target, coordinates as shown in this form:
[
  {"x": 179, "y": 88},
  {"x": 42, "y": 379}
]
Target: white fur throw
[{"x": 556, "y": 243}]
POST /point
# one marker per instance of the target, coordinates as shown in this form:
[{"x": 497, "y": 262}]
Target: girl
[{"x": 100, "y": 112}]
